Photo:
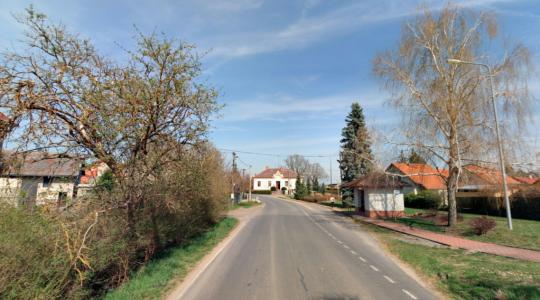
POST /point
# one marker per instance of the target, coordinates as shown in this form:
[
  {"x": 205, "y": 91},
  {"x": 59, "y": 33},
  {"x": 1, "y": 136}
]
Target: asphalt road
[{"x": 294, "y": 251}]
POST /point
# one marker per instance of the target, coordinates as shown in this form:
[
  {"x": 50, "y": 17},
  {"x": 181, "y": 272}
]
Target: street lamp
[{"x": 501, "y": 154}]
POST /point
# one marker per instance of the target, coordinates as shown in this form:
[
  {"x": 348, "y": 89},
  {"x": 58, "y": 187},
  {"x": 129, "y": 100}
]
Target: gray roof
[{"x": 42, "y": 165}]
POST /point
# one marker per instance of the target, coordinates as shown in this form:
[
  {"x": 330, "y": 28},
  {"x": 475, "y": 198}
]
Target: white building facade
[
  {"x": 378, "y": 196},
  {"x": 278, "y": 179}
]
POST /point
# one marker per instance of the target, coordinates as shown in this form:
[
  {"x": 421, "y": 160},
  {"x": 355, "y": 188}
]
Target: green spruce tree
[
  {"x": 415, "y": 158},
  {"x": 355, "y": 155},
  {"x": 301, "y": 189}
]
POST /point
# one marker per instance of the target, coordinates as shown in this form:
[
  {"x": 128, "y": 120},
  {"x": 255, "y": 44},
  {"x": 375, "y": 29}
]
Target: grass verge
[
  {"x": 526, "y": 233},
  {"x": 465, "y": 275},
  {"x": 246, "y": 204},
  {"x": 153, "y": 280}
]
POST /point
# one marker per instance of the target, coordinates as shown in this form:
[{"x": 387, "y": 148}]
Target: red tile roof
[
  {"x": 423, "y": 175},
  {"x": 269, "y": 173},
  {"x": 3, "y": 117},
  {"x": 527, "y": 180},
  {"x": 488, "y": 175}
]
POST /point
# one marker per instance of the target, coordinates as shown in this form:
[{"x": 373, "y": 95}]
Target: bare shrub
[{"x": 482, "y": 225}]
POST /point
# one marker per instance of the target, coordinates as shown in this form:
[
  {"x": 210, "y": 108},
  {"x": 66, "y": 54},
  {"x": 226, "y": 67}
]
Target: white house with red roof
[{"x": 279, "y": 178}]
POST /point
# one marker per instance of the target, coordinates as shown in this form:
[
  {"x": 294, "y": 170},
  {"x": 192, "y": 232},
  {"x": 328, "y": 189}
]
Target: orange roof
[
  {"x": 527, "y": 180},
  {"x": 269, "y": 173},
  {"x": 490, "y": 176},
  {"x": 424, "y": 175}
]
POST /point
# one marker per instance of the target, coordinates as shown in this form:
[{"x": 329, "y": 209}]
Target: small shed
[{"x": 378, "y": 195}]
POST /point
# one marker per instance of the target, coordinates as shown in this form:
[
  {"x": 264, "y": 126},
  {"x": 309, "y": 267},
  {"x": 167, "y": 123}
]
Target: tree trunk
[{"x": 452, "y": 190}]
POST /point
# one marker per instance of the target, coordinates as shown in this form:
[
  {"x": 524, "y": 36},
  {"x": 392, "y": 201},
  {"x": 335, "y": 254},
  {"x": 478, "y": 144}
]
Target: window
[
  {"x": 62, "y": 196},
  {"x": 286, "y": 183},
  {"x": 47, "y": 181},
  {"x": 258, "y": 183},
  {"x": 269, "y": 182}
]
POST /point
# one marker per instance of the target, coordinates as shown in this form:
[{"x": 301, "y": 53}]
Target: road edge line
[{"x": 180, "y": 289}]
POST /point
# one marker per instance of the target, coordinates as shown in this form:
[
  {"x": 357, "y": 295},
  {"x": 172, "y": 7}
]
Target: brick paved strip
[{"x": 457, "y": 242}]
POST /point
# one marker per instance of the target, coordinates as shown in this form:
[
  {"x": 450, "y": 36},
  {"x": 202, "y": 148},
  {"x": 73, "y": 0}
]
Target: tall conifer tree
[{"x": 355, "y": 155}]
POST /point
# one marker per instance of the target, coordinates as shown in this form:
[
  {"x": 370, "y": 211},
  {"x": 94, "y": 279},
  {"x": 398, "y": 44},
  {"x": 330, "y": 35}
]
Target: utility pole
[
  {"x": 233, "y": 176},
  {"x": 330, "y": 169},
  {"x": 499, "y": 142},
  {"x": 250, "y": 179},
  {"x": 242, "y": 182}
]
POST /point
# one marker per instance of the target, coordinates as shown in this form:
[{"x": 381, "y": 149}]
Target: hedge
[
  {"x": 263, "y": 192},
  {"x": 423, "y": 199}
]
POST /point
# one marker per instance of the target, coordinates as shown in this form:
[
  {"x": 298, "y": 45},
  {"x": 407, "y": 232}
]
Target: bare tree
[
  {"x": 445, "y": 108},
  {"x": 298, "y": 164},
  {"x": 69, "y": 98},
  {"x": 316, "y": 172}
]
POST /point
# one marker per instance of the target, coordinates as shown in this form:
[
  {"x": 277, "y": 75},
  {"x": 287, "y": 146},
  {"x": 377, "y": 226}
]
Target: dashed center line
[
  {"x": 359, "y": 257},
  {"x": 409, "y": 294}
]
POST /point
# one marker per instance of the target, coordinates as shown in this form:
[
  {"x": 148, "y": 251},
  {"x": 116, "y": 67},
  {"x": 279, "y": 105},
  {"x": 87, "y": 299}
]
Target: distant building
[
  {"x": 89, "y": 178},
  {"x": 480, "y": 181},
  {"x": 278, "y": 178},
  {"x": 39, "y": 178}
]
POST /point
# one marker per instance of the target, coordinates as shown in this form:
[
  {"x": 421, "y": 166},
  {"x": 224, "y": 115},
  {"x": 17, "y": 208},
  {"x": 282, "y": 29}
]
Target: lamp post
[{"x": 501, "y": 154}]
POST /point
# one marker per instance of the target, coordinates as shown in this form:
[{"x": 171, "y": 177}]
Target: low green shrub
[
  {"x": 424, "y": 199},
  {"x": 261, "y": 192}
]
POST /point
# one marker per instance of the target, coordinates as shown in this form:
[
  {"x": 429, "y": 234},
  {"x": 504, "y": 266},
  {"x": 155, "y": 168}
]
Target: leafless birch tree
[{"x": 445, "y": 107}]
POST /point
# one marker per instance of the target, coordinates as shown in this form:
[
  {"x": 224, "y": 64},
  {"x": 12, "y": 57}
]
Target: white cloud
[
  {"x": 308, "y": 30},
  {"x": 279, "y": 106}
]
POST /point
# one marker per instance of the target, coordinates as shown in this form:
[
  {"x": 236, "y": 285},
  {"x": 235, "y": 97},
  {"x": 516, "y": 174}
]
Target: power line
[{"x": 277, "y": 155}]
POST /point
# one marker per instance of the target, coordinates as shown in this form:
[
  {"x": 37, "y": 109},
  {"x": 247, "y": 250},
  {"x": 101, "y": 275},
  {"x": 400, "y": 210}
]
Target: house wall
[
  {"x": 10, "y": 190},
  {"x": 265, "y": 187},
  {"x": 50, "y": 194},
  {"x": 381, "y": 202}
]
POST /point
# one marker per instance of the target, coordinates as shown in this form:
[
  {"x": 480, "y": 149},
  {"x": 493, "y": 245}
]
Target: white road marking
[
  {"x": 374, "y": 268},
  {"x": 340, "y": 242},
  {"x": 389, "y": 279},
  {"x": 346, "y": 247},
  {"x": 353, "y": 252},
  {"x": 409, "y": 294},
  {"x": 334, "y": 237},
  {"x": 361, "y": 258}
]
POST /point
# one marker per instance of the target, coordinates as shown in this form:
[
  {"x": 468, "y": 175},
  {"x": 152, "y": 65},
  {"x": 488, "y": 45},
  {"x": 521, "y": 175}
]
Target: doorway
[
  {"x": 362, "y": 204},
  {"x": 278, "y": 185}
]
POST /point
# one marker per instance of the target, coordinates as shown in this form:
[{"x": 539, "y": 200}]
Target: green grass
[
  {"x": 526, "y": 233},
  {"x": 247, "y": 204},
  {"x": 153, "y": 280},
  {"x": 467, "y": 276}
]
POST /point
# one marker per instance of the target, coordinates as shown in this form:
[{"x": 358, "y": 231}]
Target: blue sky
[{"x": 287, "y": 71}]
